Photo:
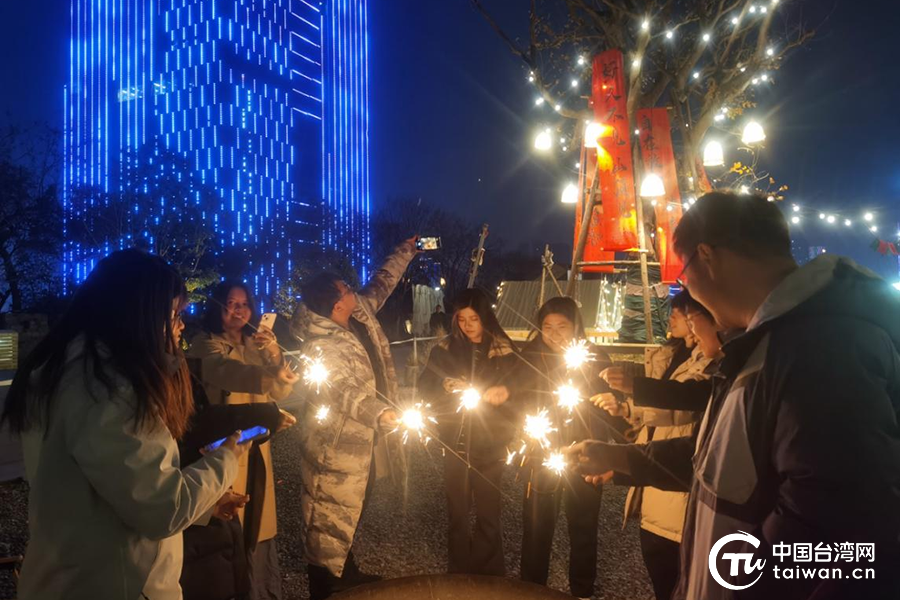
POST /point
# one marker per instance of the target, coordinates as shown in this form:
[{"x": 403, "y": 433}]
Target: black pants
[
  {"x": 480, "y": 551},
  {"x": 661, "y": 556},
  {"x": 322, "y": 583},
  {"x": 582, "y": 502}
]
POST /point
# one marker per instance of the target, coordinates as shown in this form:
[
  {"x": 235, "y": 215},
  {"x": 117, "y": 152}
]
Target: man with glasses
[
  {"x": 339, "y": 326},
  {"x": 800, "y": 443}
]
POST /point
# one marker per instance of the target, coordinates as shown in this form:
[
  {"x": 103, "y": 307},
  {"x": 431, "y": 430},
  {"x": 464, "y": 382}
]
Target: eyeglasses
[{"x": 680, "y": 279}]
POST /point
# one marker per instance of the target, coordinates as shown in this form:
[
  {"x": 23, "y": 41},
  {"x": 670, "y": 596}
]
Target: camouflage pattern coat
[{"x": 336, "y": 454}]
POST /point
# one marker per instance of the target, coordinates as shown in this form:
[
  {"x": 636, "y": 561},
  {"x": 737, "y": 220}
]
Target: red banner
[
  {"x": 659, "y": 158},
  {"x": 608, "y": 90},
  {"x": 593, "y": 249}
]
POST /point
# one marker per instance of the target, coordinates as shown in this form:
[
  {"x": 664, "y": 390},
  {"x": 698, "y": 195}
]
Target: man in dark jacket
[{"x": 800, "y": 444}]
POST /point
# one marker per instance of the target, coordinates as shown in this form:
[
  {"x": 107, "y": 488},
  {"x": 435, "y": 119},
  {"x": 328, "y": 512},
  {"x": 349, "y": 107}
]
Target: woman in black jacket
[
  {"x": 475, "y": 361},
  {"x": 539, "y": 377}
]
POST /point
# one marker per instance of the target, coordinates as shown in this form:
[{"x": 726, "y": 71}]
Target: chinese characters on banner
[
  {"x": 608, "y": 89},
  {"x": 659, "y": 158}
]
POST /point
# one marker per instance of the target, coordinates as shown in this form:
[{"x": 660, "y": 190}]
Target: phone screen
[
  {"x": 246, "y": 436},
  {"x": 428, "y": 243}
]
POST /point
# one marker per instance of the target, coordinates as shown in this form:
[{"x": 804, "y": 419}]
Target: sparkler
[
  {"x": 322, "y": 414},
  {"x": 469, "y": 399},
  {"x": 415, "y": 420},
  {"x": 538, "y": 426},
  {"x": 569, "y": 397},
  {"x": 316, "y": 373},
  {"x": 556, "y": 462},
  {"x": 577, "y": 354}
]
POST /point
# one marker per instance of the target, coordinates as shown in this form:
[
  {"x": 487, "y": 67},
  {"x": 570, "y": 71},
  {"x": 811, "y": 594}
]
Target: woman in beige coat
[
  {"x": 662, "y": 512},
  {"x": 240, "y": 365}
]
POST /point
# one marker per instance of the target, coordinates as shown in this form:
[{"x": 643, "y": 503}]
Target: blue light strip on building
[{"x": 268, "y": 109}]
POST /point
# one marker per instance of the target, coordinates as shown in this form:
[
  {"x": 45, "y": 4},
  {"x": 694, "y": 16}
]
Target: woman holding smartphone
[
  {"x": 478, "y": 355},
  {"x": 99, "y": 405},
  {"x": 243, "y": 365}
]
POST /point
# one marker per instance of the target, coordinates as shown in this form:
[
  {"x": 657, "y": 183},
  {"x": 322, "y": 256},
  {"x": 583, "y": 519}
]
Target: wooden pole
[
  {"x": 642, "y": 240},
  {"x": 544, "y": 258},
  {"x": 578, "y": 255},
  {"x": 478, "y": 256}
]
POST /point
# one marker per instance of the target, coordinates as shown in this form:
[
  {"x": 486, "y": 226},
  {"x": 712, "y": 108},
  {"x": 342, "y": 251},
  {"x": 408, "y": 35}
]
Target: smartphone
[
  {"x": 268, "y": 320},
  {"x": 428, "y": 243},
  {"x": 247, "y": 435}
]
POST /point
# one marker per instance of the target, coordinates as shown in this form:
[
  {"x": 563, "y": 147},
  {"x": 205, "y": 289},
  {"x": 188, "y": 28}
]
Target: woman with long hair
[
  {"x": 544, "y": 370},
  {"x": 243, "y": 364},
  {"x": 99, "y": 405},
  {"x": 475, "y": 361}
]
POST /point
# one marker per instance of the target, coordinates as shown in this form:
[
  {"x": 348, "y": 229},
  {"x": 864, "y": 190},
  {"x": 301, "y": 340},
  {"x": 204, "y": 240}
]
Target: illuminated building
[{"x": 266, "y": 101}]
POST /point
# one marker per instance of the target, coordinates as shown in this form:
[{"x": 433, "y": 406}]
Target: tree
[
  {"x": 703, "y": 58},
  {"x": 161, "y": 206},
  {"x": 30, "y": 232}
]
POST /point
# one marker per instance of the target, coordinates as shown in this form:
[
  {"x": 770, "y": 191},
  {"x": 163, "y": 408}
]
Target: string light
[
  {"x": 796, "y": 208},
  {"x": 795, "y": 220},
  {"x": 543, "y": 141},
  {"x": 868, "y": 216},
  {"x": 830, "y": 218},
  {"x": 581, "y": 60},
  {"x": 538, "y": 101},
  {"x": 753, "y": 9},
  {"x": 770, "y": 51},
  {"x": 670, "y": 34},
  {"x": 696, "y": 75},
  {"x": 735, "y": 21},
  {"x": 531, "y": 78},
  {"x": 645, "y": 25},
  {"x": 574, "y": 83},
  {"x": 636, "y": 63},
  {"x": 848, "y": 222},
  {"x": 873, "y": 228},
  {"x": 822, "y": 216},
  {"x": 764, "y": 76},
  {"x": 557, "y": 107},
  {"x": 706, "y": 37}
]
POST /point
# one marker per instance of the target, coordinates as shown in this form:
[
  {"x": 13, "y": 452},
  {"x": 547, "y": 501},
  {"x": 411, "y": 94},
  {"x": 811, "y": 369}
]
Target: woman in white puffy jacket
[
  {"x": 99, "y": 405},
  {"x": 684, "y": 362}
]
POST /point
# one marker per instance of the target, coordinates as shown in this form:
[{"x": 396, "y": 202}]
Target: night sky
[{"x": 452, "y": 115}]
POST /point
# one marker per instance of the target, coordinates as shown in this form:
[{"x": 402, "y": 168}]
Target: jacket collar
[{"x": 801, "y": 285}]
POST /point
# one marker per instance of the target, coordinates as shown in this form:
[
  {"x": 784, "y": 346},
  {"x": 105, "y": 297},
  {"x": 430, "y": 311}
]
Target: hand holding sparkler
[
  {"x": 286, "y": 375},
  {"x": 414, "y": 420},
  {"x": 611, "y": 404},
  {"x": 592, "y": 460},
  {"x": 388, "y": 419},
  {"x": 618, "y": 379},
  {"x": 453, "y": 385},
  {"x": 285, "y": 420},
  {"x": 497, "y": 395}
]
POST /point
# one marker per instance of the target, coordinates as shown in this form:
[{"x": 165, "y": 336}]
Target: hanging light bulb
[
  {"x": 753, "y": 133},
  {"x": 713, "y": 154},
  {"x": 538, "y": 101},
  {"x": 873, "y": 228},
  {"x": 868, "y": 216},
  {"x": 581, "y": 60},
  {"x": 831, "y": 219},
  {"x": 670, "y": 34},
  {"x": 570, "y": 194},
  {"x": 706, "y": 37},
  {"x": 543, "y": 141},
  {"x": 574, "y": 83},
  {"x": 645, "y": 25},
  {"x": 848, "y": 222},
  {"x": 795, "y": 220},
  {"x": 796, "y": 208},
  {"x": 652, "y": 186},
  {"x": 822, "y": 216},
  {"x": 696, "y": 75}
]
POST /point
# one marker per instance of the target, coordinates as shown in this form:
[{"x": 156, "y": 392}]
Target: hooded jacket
[
  {"x": 336, "y": 453},
  {"x": 800, "y": 442}
]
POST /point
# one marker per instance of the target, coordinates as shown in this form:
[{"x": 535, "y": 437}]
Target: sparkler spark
[
  {"x": 316, "y": 373},
  {"x": 414, "y": 420},
  {"x": 322, "y": 414},
  {"x": 538, "y": 426},
  {"x": 469, "y": 399},
  {"x": 510, "y": 457},
  {"x": 577, "y": 354},
  {"x": 556, "y": 462},
  {"x": 569, "y": 396}
]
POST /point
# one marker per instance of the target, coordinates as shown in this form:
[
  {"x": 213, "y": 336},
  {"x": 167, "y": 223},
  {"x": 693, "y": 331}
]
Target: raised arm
[{"x": 376, "y": 292}]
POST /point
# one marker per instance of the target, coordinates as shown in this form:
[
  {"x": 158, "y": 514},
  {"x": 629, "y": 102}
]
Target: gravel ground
[{"x": 400, "y": 535}]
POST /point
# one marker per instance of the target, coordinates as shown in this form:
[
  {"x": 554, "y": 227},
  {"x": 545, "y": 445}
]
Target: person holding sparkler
[
  {"x": 352, "y": 389},
  {"x": 684, "y": 359},
  {"x": 561, "y": 370},
  {"x": 243, "y": 364},
  {"x": 468, "y": 380}
]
